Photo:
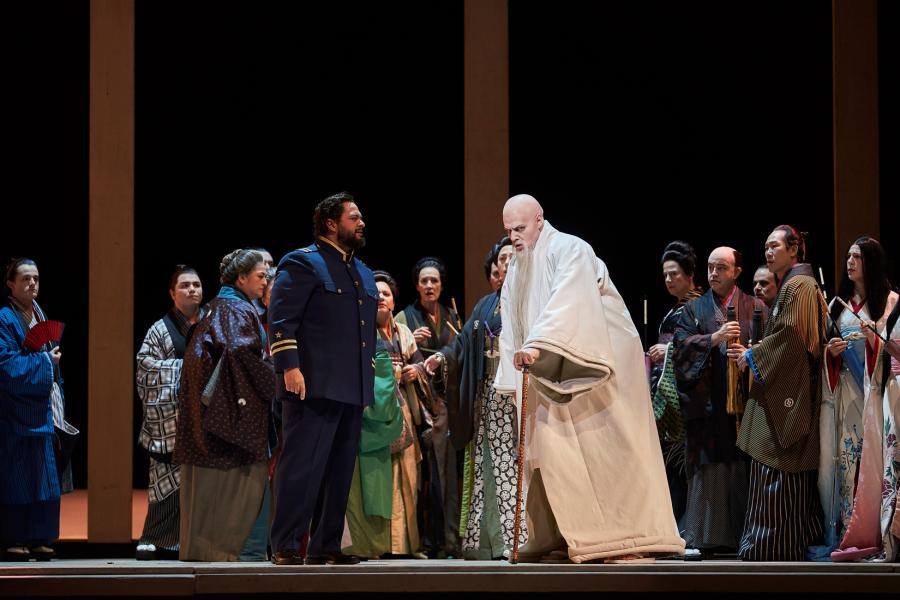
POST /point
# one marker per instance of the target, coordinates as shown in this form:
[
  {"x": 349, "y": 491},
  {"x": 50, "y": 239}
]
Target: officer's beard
[{"x": 348, "y": 239}]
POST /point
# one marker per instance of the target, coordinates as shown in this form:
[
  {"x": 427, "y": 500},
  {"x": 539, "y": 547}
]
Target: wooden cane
[{"x": 514, "y": 559}]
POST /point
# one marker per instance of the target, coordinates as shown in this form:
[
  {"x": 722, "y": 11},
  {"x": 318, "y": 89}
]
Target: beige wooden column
[
  {"x": 855, "y": 61},
  {"x": 486, "y": 136},
  {"x": 111, "y": 274}
]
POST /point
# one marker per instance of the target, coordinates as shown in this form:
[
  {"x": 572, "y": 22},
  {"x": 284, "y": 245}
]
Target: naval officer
[{"x": 322, "y": 328}]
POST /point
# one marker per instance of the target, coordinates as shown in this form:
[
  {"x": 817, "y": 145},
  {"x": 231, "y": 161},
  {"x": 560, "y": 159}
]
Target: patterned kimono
[
  {"x": 841, "y": 422},
  {"x": 484, "y": 423},
  {"x": 667, "y": 407},
  {"x": 874, "y": 527},
  {"x": 440, "y": 507},
  {"x": 716, "y": 468},
  {"x": 222, "y": 439},
  {"x": 31, "y": 405},
  {"x": 158, "y": 371}
]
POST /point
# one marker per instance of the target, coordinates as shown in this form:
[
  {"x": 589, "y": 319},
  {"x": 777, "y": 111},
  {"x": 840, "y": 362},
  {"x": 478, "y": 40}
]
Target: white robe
[{"x": 590, "y": 429}]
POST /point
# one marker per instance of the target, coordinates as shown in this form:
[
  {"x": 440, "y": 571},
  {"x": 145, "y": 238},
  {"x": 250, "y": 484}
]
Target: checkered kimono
[{"x": 158, "y": 372}]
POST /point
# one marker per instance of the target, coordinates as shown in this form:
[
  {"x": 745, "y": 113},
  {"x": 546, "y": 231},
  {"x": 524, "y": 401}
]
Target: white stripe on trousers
[{"x": 782, "y": 517}]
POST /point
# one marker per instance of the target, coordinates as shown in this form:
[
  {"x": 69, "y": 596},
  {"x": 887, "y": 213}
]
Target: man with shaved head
[
  {"x": 597, "y": 487},
  {"x": 716, "y": 468}
]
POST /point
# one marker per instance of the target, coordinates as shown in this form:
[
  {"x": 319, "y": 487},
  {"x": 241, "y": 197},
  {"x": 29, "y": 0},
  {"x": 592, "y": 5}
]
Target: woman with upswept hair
[
  {"x": 434, "y": 325},
  {"x": 224, "y": 415},
  {"x": 678, "y": 264}
]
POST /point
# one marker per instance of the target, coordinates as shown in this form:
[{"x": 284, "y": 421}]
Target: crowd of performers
[{"x": 301, "y": 417}]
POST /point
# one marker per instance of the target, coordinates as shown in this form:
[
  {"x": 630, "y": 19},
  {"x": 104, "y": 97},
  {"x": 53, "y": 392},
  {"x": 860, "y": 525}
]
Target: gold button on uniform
[
  {"x": 356, "y": 283},
  {"x": 360, "y": 302},
  {"x": 362, "y": 323},
  {"x": 339, "y": 291},
  {"x": 364, "y": 344}
]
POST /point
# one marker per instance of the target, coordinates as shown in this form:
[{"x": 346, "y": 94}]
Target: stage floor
[{"x": 130, "y": 578}]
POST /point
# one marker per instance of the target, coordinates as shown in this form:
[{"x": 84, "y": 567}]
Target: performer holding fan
[{"x": 34, "y": 434}]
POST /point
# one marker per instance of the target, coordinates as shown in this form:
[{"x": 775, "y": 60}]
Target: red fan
[{"x": 44, "y": 332}]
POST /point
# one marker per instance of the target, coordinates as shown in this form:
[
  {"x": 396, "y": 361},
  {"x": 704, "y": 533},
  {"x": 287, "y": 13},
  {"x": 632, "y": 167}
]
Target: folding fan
[{"x": 42, "y": 333}]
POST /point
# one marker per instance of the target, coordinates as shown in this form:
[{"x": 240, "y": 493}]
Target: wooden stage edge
[{"x": 130, "y": 578}]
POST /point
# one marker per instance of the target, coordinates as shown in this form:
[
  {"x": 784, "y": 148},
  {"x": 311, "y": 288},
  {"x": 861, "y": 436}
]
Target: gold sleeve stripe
[
  {"x": 277, "y": 350},
  {"x": 283, "y": 342}
]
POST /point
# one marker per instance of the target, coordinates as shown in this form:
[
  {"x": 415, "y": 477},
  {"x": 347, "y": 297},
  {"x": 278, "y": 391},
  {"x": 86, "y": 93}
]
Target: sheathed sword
[{"x": 514, "y": 559}]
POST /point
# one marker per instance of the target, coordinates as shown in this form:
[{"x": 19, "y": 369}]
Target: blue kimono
[{"x": 29, "y": 483}]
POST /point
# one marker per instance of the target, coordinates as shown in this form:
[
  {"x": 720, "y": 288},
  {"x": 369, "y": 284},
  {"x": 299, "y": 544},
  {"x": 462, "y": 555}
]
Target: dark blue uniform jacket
[{"x": 322, "y": 320}]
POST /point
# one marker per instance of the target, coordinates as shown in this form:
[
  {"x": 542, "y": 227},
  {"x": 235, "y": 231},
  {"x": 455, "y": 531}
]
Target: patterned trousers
[{"x": 495, "y": 476}]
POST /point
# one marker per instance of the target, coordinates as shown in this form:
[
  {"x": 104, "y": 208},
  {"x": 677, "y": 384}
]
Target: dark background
[
  {"x": 633, "y": 125},
  {"x": 640, "y": 123},
  {"x": 46, "y": 68},
  {"x": 247, "y": 115}
]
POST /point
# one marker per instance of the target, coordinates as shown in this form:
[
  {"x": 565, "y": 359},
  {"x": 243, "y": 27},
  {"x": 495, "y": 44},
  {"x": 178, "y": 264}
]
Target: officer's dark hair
[
  {"x": 237, "y": 263},
  {"x": 792, "y": 237},
  {"x": 385, "y": 277},
  {"x": 738, "y": 260},
  {"x": 12, "y": 269},
  {"x": 178, "y": 272},
  {"x": 429, "y": 261},
  {"x": 332, "y": 208},
  {"x": 683, "y": 254},
  {"x": 494, "y": 254}
]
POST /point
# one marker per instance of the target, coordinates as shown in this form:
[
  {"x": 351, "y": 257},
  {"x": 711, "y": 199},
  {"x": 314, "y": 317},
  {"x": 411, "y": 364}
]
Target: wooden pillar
[
  {"x": 855, "y": 63},
  {"x": 111, "y": 274},
  {"x": 486, "y": 136}
]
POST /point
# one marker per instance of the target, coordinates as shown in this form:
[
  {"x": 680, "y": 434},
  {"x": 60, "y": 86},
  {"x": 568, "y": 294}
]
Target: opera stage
[{"x": 129, "y": 578}]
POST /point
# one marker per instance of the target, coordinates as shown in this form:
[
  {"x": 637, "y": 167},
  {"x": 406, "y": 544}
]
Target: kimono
[
  {"x": 31, "y": 405},
  {"x": 484, "y": 423},
  {"x": 439, "y": 486},
  {"x": 716, "y": 468},
  {"x": 384, "y": 520},
  {"x": 841, "y": 420},
  {"x": 222, "y": 439},
  {"x": 595, "y": 475},
  {"x": 780, "y": 428},
  {"x": 874, "y": 527},
  {"x": 667, "y": 407},
  {"x": 157, "y": 374}
]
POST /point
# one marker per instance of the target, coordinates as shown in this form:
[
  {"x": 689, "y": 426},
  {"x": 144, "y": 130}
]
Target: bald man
[
  {"x": 716, "y": 468},
  {"x": 597, "y": 487}
]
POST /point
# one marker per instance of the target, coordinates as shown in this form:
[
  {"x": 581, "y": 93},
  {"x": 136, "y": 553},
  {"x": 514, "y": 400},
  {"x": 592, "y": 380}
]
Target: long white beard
[{"x": 520, "y": 292}]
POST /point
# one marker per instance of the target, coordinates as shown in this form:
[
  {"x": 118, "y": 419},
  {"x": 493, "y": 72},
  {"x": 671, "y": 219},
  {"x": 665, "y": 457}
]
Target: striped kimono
[
  {"x": 780, "y": 428},
  {"x": 30, "y": 483}
]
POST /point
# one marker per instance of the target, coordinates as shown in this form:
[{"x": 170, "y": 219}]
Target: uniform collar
[{"x": 345, "y": 256}]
